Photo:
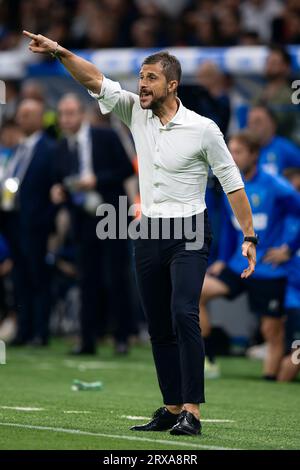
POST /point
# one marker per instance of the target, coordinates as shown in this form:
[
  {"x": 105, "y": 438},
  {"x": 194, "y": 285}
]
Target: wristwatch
[{"x": 254, "y": 239}]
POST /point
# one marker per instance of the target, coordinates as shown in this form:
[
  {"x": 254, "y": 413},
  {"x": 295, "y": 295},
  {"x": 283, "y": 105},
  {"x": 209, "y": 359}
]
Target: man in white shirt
[{"x": 175, "y": 147}]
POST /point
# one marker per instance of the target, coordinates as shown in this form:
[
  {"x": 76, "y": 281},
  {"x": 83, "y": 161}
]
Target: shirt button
[{"x": 156, "y": 185}]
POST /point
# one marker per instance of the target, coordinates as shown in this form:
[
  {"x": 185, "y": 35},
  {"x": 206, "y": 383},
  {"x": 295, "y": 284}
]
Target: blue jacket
[{"x": 272, "y": 199}]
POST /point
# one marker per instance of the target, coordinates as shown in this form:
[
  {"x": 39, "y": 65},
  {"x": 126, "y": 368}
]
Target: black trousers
[
  {"x": 170, "y": 278},
  {"x": 104, "y": 284},
  {"x": 30, "y": 277}
]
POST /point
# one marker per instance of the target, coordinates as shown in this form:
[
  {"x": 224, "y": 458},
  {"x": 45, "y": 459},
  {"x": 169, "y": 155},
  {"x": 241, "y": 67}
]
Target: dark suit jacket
[
  {"x": 111, "y": 166},
  {"x": 34, "y": 218},
  {"x": 36, "y": 210}
]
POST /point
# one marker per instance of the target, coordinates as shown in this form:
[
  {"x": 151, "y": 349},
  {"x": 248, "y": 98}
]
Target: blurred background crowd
[
  {"x": 93, "y": 24},
  {"x": 59, "y": 158}
]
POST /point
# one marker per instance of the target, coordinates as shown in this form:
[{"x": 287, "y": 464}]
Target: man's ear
[{"x": 172, "y": 85}]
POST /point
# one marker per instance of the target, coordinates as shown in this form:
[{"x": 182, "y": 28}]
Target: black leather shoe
[
  {"x": 186, "y": 424},
  {"x": 162, "y": 421}
]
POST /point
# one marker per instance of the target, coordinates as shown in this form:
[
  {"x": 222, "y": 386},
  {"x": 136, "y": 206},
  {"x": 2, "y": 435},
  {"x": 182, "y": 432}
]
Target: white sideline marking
[
  {"x": 217, "y": 420},
  {"x": 21, "y": 408},
  {"x": 134, "y": 418},
  {"x": 115, "y": 436},
  {"x": 76, "y": 412}
]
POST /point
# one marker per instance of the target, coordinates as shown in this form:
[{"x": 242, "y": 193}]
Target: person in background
[
  {"x": 33, "y": 89},
  {"x": 276, "y": 92},
  {"x": 209, "y": 97},
  {"x": 257, "y": 15},
  {"x": 288, "y": 254},
  {"x": 27, "y": 216},
  {"x": 277, "y": 153},
  {"x": 10, "y": 136},
  {"x": 92, "y": 167},
  {"x": 272, "y": 199}
]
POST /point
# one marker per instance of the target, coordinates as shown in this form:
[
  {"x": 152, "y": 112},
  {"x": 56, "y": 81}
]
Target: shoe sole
[
  {"x": 151, "y": 430},
  {"x": 174, "y": 432}
]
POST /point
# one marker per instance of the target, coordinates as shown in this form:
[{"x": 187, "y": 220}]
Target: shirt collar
[
  {"x": 80, "y": 135},
  {"x": 83, "y": 131},
  {"x": 31, "y": 141},
  {"x": 177, "y": 119}
]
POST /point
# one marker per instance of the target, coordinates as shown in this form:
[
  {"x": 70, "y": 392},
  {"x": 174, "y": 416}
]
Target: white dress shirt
[
  {"x": 20, "y": 161},
  {"x": 173, "y": 159},
  {"x": 84, "y": 142}
]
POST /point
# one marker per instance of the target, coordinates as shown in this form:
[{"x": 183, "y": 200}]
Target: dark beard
[
  {"x": 156, "y": 104},
  {"x": 273, "y": 76}
]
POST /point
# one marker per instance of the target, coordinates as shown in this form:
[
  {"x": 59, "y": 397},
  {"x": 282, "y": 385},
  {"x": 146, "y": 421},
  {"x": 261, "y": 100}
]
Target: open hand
[{"x": 249, "y": 251}]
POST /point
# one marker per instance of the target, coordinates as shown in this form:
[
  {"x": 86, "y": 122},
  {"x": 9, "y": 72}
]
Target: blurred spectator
[
  {"x": 200, "y": 29},
  {"x": 113, "y": 23},
  {"x": 276, "y": 93},
  {"x": 125, "y": 12},
  {"x": 172, "y": 9},
  {"x": 27, "y": 221},
  {"x": 92, "y": 168},
  {"x": 34, "y": 89},
  {"x": 249, "y": 38},
  {"x": 10, "y": 136},
  {"x": 145, "y": 33},
  {"x": 257, "y": 15},
  {"x": 215, "y": 103},
  {"x": 286, "y": 27},
  {"x": 12, "y": 97},
  {"x": 272, "y": 199},
  {"x": 102, "y": 32},
  {"x": 277, "y": 153},
  {"x": 229, "y": 28},
  {"x": 288, "y": 255}
]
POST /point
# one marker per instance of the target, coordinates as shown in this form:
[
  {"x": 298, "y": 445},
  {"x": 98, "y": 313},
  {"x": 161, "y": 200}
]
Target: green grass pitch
[{"x": 254, "y": 414}]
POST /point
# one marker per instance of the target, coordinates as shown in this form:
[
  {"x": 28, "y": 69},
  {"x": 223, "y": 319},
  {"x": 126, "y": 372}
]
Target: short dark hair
[
  {"x": 170, "y": 64},
  {"x": 282, "y": 51},
  {"x": 267, "y": 109},
  {"x": 247, "y": 138}
]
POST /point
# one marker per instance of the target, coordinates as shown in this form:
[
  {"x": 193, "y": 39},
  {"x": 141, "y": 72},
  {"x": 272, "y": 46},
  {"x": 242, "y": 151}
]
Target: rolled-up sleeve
[
  {"x": 220, "y": 159},
  {"x": 113, "y": 98}
]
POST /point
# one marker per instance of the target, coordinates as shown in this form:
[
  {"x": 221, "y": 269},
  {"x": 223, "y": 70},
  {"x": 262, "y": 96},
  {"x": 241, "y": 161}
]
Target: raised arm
[{"x": 83, "y": 71}]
